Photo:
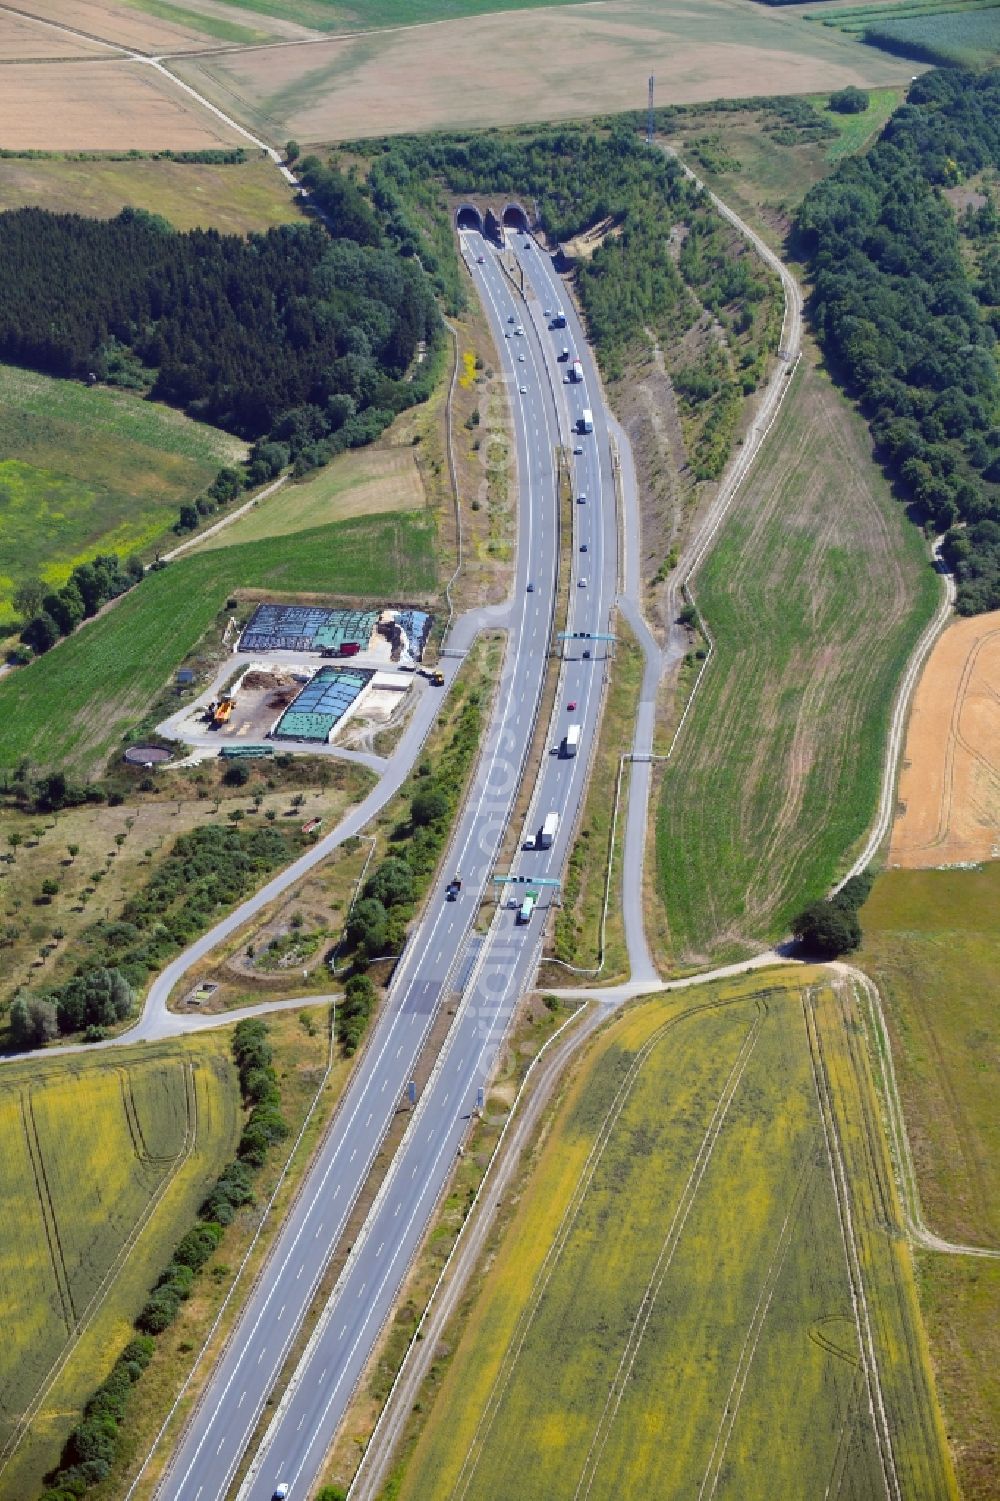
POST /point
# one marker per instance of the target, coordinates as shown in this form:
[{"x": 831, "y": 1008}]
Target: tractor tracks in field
[{"x": 894, "y": 1120}]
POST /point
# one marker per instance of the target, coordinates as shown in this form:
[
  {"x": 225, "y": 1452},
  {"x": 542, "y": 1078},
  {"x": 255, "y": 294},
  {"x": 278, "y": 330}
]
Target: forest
[
  {"x": 906, "y": 303},
  {"x": 303, "y": 336}
]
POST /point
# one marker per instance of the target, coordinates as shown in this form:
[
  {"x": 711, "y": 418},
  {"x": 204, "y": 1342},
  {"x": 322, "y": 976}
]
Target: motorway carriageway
[{"x": 441, "y": 959}]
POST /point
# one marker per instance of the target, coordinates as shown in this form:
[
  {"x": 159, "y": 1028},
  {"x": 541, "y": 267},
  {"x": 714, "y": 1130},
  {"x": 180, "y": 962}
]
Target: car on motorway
[
  {"x": 586, "y": 656},
  {"x": 453, "y": 888},
  {"x": 526, "y": 245},
  {"x": 521, "y": 358},
  {"x": 529, "y": 843},
  {"x": 584, "y": 547},
  {"x": 548, "y": 312},
  {"x": 519, "y": 329},
  {"x": 280, "y": 1491},
  {"x": 571, "y": 705},
  {"x": 511, "y": 318},
  {"x": 523, "y": 390},
  {"x": 582, "y": 582},
  {"x": 531, "y": 588},
  {"x": 578, "y": 449},
  {"x": 581, "y": 500},
  {"x": 480, "y": 260}
]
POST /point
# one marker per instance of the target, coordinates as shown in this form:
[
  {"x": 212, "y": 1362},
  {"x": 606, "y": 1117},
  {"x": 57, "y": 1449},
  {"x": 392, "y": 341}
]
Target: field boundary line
[
  {"x": 664, "y": 1260},
  {"x": 100, "y": 1294},
  {"x": 859, "y": 1301},
  {"x": 898, "y": 725},
  {"x": 220, "y": 525},
  {"x": 894, "y": 1119}
]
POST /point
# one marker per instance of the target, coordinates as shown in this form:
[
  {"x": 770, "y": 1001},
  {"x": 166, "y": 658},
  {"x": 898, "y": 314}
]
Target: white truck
[
  {"x": 571, "y": 741},
  {"x": 576, "y": 372},
  {"x": 548, "y": 831},
  {"x": 585, "y": 424}
]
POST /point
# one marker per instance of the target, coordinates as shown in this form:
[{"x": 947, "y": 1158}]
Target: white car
[
  {"x": 523, "y": 390},
  {"x": 519, "y": 329},
  {"x": 280, "y": 1491},
  {"x": 582, "y": 583},
  {"x": 521, "y": 358},
  {"x": 581, "y": 500},
  {"x": 578, "y": 449}
]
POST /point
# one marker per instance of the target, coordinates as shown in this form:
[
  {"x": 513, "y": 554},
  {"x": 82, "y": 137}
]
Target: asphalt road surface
[{"x": 444, "y": 964}]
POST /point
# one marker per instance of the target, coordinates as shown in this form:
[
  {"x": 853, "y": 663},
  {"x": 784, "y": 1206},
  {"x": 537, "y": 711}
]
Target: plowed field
[{"x": 949, "y": 787}]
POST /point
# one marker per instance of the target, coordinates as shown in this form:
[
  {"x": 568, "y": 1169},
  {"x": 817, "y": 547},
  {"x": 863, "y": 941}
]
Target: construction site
[{"x": 308, "y": 675}]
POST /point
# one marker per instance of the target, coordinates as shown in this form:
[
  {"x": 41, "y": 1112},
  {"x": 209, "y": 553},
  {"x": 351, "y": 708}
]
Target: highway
[{"x": 443, "y": 959}]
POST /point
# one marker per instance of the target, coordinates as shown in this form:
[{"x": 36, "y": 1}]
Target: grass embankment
[
  {"x": 72, "y": 706},
  {"x": 578, "y": 922},
  {"x": 932, "y": 944},
  {"x": 107, "y": 1160},
  {"x": 362, "y": 482},
  {"x": 91, "y": 470},
  {"x": 815, "y": 594},
  {"x": 236, "y": 198},
  {"x": 711, "y": 1341}
]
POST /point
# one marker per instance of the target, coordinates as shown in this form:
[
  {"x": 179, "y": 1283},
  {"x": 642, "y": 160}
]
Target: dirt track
[{"x": 949, "y": 786}]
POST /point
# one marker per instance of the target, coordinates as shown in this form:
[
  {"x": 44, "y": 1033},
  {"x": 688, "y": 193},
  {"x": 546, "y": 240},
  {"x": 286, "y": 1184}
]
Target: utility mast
[{"x": 650, "y": 122}]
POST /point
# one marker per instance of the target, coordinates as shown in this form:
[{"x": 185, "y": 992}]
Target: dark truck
[{"x": 452, "y": 889}]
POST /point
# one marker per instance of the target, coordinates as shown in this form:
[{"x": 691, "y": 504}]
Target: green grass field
[
  {"x": 89, "y": 470},
  {"x": 361, "y": 15},
  {"x": 932, "y": 944},
  {"x": 107, "y": 1159},
  {"x": 676, "y": 1310},
  {"x": 969, "y": 40},
  {"x": 361, "y": 482},
  {"x": 72, "y": 706},
  {"x": 815, "y": 594},
  {"x": 235, "y": 199}
]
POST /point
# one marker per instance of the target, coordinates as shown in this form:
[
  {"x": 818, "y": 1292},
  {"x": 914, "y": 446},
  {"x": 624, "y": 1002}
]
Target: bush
[{"x": 849, "y": 101}]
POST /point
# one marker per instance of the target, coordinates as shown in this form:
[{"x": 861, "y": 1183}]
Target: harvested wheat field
[
  {"x": 23, "y": 39},
  {"x": 949, "y": 787},
  {"x": 123, "y": 24},
  {"x": 103, "y": 106},
  {"x": 517, "y": 66}
]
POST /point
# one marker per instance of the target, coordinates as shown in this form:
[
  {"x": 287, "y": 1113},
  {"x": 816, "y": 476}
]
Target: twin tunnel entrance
[{"x": 488, "y": 223}]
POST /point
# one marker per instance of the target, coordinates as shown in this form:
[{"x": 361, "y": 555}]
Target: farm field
[
  {"x": 968, "y": 40},
  {"x": 949, "y": 784},
  {"x": 432, "y": 78},
  {"x": 107, "y": 1159},
  {"x": 814, "y": 593},
  {"x": 72, "y": 706},
  {"x": 94, "y": 106},
  {"x": 23, "y": 38},
  {"x": 235, "y": 199},
  {"x": 932, "y": 945},
  {"x": 86, "y": 470},
  {"x": 721, "y": 1342},
  {"x": 362, "y": 482},
  {"x": 158, "y": 26}
]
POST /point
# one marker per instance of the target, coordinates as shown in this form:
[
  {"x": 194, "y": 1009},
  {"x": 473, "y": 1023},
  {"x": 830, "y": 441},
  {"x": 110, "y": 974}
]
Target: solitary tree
[{"x": 825, "y": 930}]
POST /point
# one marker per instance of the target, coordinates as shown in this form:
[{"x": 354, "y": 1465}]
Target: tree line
[{"x": 910, "y": 322}]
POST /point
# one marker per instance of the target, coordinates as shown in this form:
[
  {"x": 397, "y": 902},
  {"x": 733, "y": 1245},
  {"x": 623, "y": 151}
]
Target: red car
[
  {"x": 571, "y": 705},
  {"x": 481, "y": 260}
]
